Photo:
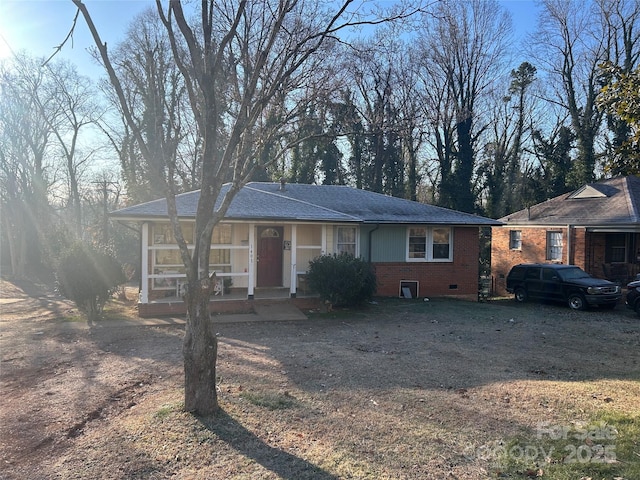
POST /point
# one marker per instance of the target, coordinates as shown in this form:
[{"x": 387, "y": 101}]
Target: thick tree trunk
[
  {"x": 200, "y": 351},
  {"x": 464, "y": 199}
]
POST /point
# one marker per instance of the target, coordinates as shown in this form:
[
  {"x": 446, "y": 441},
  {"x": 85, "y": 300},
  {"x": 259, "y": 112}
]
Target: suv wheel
[
  {"x": 637, "y": 307},
  {"x": 521, "y": 295},
  {"x": 577, "y": 301}
]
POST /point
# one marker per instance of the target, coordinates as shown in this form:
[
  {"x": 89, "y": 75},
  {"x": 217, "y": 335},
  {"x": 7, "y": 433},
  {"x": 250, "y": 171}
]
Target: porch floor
[
  {"x": 235, "y": 301},
  {"x": 241, "y": 294}
]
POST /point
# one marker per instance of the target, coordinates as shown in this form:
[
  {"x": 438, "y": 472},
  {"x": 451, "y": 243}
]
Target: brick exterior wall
[
  {"x": 579, "y": 249},
  {"x": 458, "y": 278},
  {"x": 534, "y": 250},
  {"x": 597, "y": 247},
  {"x": 178, "y": 308}
]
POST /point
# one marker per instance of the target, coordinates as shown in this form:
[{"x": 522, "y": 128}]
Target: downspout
[
  {"x": 569, "y": 228},
  {"x": 371, "y": 239},
  {"x": 143, "y": 251}
]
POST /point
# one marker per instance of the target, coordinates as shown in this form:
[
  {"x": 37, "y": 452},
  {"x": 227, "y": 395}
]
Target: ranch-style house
[{"x": 272, "y": 231}]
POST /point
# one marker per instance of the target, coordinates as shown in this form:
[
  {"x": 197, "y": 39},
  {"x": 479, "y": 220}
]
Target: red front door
[{"x": 269, "y": 257}]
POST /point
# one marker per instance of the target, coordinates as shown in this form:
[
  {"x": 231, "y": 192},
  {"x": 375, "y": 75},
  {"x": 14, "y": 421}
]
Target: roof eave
[
  {"x": 571, "y": 222},
  {"x": 423, "y": 221}
]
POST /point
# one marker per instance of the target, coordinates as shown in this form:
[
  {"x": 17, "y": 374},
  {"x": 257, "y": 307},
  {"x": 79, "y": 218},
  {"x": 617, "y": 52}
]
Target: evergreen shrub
[
  {"x": 342, "y": 279},
  {"x": 88, "y": 276}
]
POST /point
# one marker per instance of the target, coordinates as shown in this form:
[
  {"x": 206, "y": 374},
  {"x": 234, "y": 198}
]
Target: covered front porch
[
  {"x": 613, "y": 254},
  {"x": 252, "y": 262}
]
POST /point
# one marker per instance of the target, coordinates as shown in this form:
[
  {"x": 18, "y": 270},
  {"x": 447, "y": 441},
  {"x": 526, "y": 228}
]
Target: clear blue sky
[{"x": 38, "y": 26}]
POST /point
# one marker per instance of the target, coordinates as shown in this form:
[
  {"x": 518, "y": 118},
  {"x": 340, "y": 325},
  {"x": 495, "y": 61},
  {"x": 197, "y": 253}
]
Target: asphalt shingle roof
[
  {"x": 299, "y": 202},
  {"x": 618, "y": 203}
]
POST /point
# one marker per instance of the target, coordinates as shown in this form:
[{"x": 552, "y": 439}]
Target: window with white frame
[
  {"x": 429, "y": 244},
  {"x": 167, "y": 260},
  {"x": 554, "y": 246},
  {"x": 515, "y": 239},
  {"x": 346, "y": 240},
  {"x": 220, "y": 257}
]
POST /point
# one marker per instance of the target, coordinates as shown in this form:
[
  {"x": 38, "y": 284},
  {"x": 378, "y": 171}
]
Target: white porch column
[
  {"x": 294, "y": 260},
  {"x": 144, "y": 265},
  {"x": 251, "y": 266}
]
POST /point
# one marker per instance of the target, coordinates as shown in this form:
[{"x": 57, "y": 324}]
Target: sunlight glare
[{"x": 5, "y": 48}]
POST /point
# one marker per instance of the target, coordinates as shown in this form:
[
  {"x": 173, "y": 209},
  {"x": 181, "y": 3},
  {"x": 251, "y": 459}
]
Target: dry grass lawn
[{"x": 400, "y": 390}]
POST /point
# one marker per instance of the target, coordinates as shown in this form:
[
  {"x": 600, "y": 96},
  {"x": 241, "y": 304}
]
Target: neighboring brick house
[
  {"x": 596, "y": 227},
  {"x": 272, "y": 231}
]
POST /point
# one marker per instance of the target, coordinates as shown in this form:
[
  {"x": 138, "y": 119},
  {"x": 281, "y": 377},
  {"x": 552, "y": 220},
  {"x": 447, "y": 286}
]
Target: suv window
[
  {"x": 533, "y": 273},
  {"x": 573, "y": 273},
  {"x": 549, "y": 274},
  {"x": 517, "y": 273}
]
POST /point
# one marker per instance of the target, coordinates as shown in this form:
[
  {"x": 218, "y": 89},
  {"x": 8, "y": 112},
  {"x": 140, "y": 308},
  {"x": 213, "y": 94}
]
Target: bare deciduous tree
[
  {"x": 158, "y": 103},
  {"x": 569, "y": 46},
  {"x": 26, "y": 115},
  {"x": 45, "y": 108},
  {"x": 464, "y": 47},
  {"x": 505, "y": 141},
  {"x": 244, "y": 65},
  {"x": 74, "y": 109},
  {"x": 380, "y": 115},
  {"x": 621, "y": 19}
]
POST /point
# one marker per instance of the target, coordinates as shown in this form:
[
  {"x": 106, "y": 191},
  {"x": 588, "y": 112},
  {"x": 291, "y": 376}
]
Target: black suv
[
  {"x": 633, "y": 295},
  {"x": 561, "y": 283}
]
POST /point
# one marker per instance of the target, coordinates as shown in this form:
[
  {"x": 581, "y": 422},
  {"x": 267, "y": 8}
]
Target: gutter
[{"x": 371, "y": 239}]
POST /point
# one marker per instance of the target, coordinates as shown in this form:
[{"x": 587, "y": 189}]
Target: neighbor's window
[
  {"x": 429, "y": 244},
  {"x": 616, "y": 248},
  {"x": 346, "y": 240},
  {"x": 554, "y": 246},
  {"x": 515, "y": 239}
]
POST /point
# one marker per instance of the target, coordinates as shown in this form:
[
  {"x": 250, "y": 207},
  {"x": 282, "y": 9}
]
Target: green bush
[
  {"x": 342, "y": 280},
  {"x": 88, "y": 277}
]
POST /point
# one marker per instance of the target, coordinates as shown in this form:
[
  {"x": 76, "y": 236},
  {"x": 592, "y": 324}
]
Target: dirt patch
[{"x": 402, "y": 390}]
